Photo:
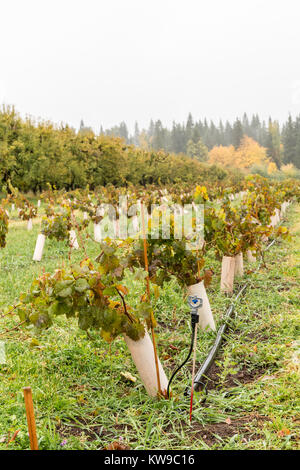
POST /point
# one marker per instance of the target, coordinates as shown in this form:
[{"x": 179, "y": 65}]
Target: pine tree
[
  {"x": 189, "y": 128},
  {"x": 177, "y": 138},
  {"x": 289, "y": 138},
  {"x": 123, "y": 131},
  {"x": 228, "y": 134},
  {"x": 221, "y": 133},
  {"x": 237, "y": 134},
  {"x": 158, "y": 141},
  {"x": 274, "y": 148},
  {"x": 197, "y": 150},
  {"x": 296, "y": 155},
  {"x": 136, "y": 137},
  {"x": 151, "y": 129},
  {"x": 246, "y": 125}
]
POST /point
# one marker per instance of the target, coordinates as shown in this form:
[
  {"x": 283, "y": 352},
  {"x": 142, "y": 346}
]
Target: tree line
[
  {"x": 33, "y": 154},
  {"x": 197, "y": 138}
]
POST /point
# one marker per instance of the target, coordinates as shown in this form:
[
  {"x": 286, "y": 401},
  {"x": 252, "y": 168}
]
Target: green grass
[{"x": 81, "y": 400}]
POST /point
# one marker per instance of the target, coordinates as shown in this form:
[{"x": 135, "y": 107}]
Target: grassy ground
[{"x": 81, "y": 401}]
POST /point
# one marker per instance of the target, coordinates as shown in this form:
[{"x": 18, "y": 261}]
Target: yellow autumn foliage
[
  {"x": 272, "y": 168},
  {"x": 221, "y": 155},
  {"x": 249, "y": 153}
]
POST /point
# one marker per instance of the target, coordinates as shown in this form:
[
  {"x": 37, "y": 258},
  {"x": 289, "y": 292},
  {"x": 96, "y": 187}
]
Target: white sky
[{"x": 112, "y": 60}]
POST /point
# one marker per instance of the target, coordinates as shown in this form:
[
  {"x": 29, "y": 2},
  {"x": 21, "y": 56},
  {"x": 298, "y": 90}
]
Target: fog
[{"x": 133, "y": 60}]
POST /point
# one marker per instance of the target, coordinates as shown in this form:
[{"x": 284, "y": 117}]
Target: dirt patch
[
  {"x": 212, "y": 378},
  {"x": 248, "y": 427},
  {"x": 77, "y": 430},
  {"x": 256, "y": 335},
  {"x": 243, "y": 376},
  {"x": 89, "y": 431}
]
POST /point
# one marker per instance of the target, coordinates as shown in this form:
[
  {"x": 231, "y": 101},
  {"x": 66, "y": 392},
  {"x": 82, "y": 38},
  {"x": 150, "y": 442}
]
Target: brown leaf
[
  {"x": 116, "y": 445},
  {"x": 207, "y": 277},
  {"x": 123, "y": 289},
  {"x": 228, "y": 421},
  {"x": 166, "y": 357},
  {"x": 156, "y": 291},
  {"x": 283, "y": 432}
]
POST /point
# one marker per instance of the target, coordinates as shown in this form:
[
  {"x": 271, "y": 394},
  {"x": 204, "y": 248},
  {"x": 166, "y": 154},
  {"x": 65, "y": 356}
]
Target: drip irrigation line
[
  {"x": 184, "y": 362},
  {"x": 201, "y": 374}
]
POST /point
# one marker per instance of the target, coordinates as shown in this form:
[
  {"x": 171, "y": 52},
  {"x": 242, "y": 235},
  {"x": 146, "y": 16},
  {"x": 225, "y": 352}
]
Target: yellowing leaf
[
  {"x": 123, "y": 289},
  {"x": 128, "y": 377}
]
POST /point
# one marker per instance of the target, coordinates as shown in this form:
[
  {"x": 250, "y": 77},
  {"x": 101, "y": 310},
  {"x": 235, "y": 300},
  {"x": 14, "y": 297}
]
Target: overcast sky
[{"x": 111, "y": 60}]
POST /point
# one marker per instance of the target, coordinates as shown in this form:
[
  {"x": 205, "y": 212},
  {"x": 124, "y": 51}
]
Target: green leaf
[
  {"x": 109, "y": 291},
  {"x": 65, "y": 292},
  {"x": 81, "y": 285}
]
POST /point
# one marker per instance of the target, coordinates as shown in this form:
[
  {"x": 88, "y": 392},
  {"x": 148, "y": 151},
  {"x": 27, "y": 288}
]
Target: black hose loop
[
  {"x": 184, "y": 362},
  {"x": 213, "y": 351}
]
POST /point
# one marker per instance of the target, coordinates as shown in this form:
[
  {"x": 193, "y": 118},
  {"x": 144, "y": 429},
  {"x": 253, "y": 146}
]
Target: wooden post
[{"x": 30, "y": 418}]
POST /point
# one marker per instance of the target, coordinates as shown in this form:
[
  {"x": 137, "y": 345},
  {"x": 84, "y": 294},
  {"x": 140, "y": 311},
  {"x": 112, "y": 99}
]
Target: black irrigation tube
[{"x": 200, "y": 375}]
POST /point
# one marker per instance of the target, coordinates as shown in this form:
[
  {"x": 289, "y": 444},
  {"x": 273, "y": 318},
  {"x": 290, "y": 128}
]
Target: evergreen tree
[
  {"x": 289, "y": 138},
  {"x": 296, "y": 156},
  {"x": 221, "y": 133},
  {"x": 158, "y": 140},
  {"x": 136, "y": 137},
  {"x": 246, "y": 125},
  {"x": 83, "y": 129},
  {"x": 151, "y": 129},
  {"x": 123, "y": 131},
  {"x": 197, "y": 150},
  {"x": 177, "y": 138},
  {"x": 274, "y": 149},
  {"x": 237, "y": 134},
  {"x": 228, "y": 133},
  {"x": 280, "y": 143},
  {"x": 196, "y": 135},
  {"x": 189, "y": 128}
]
